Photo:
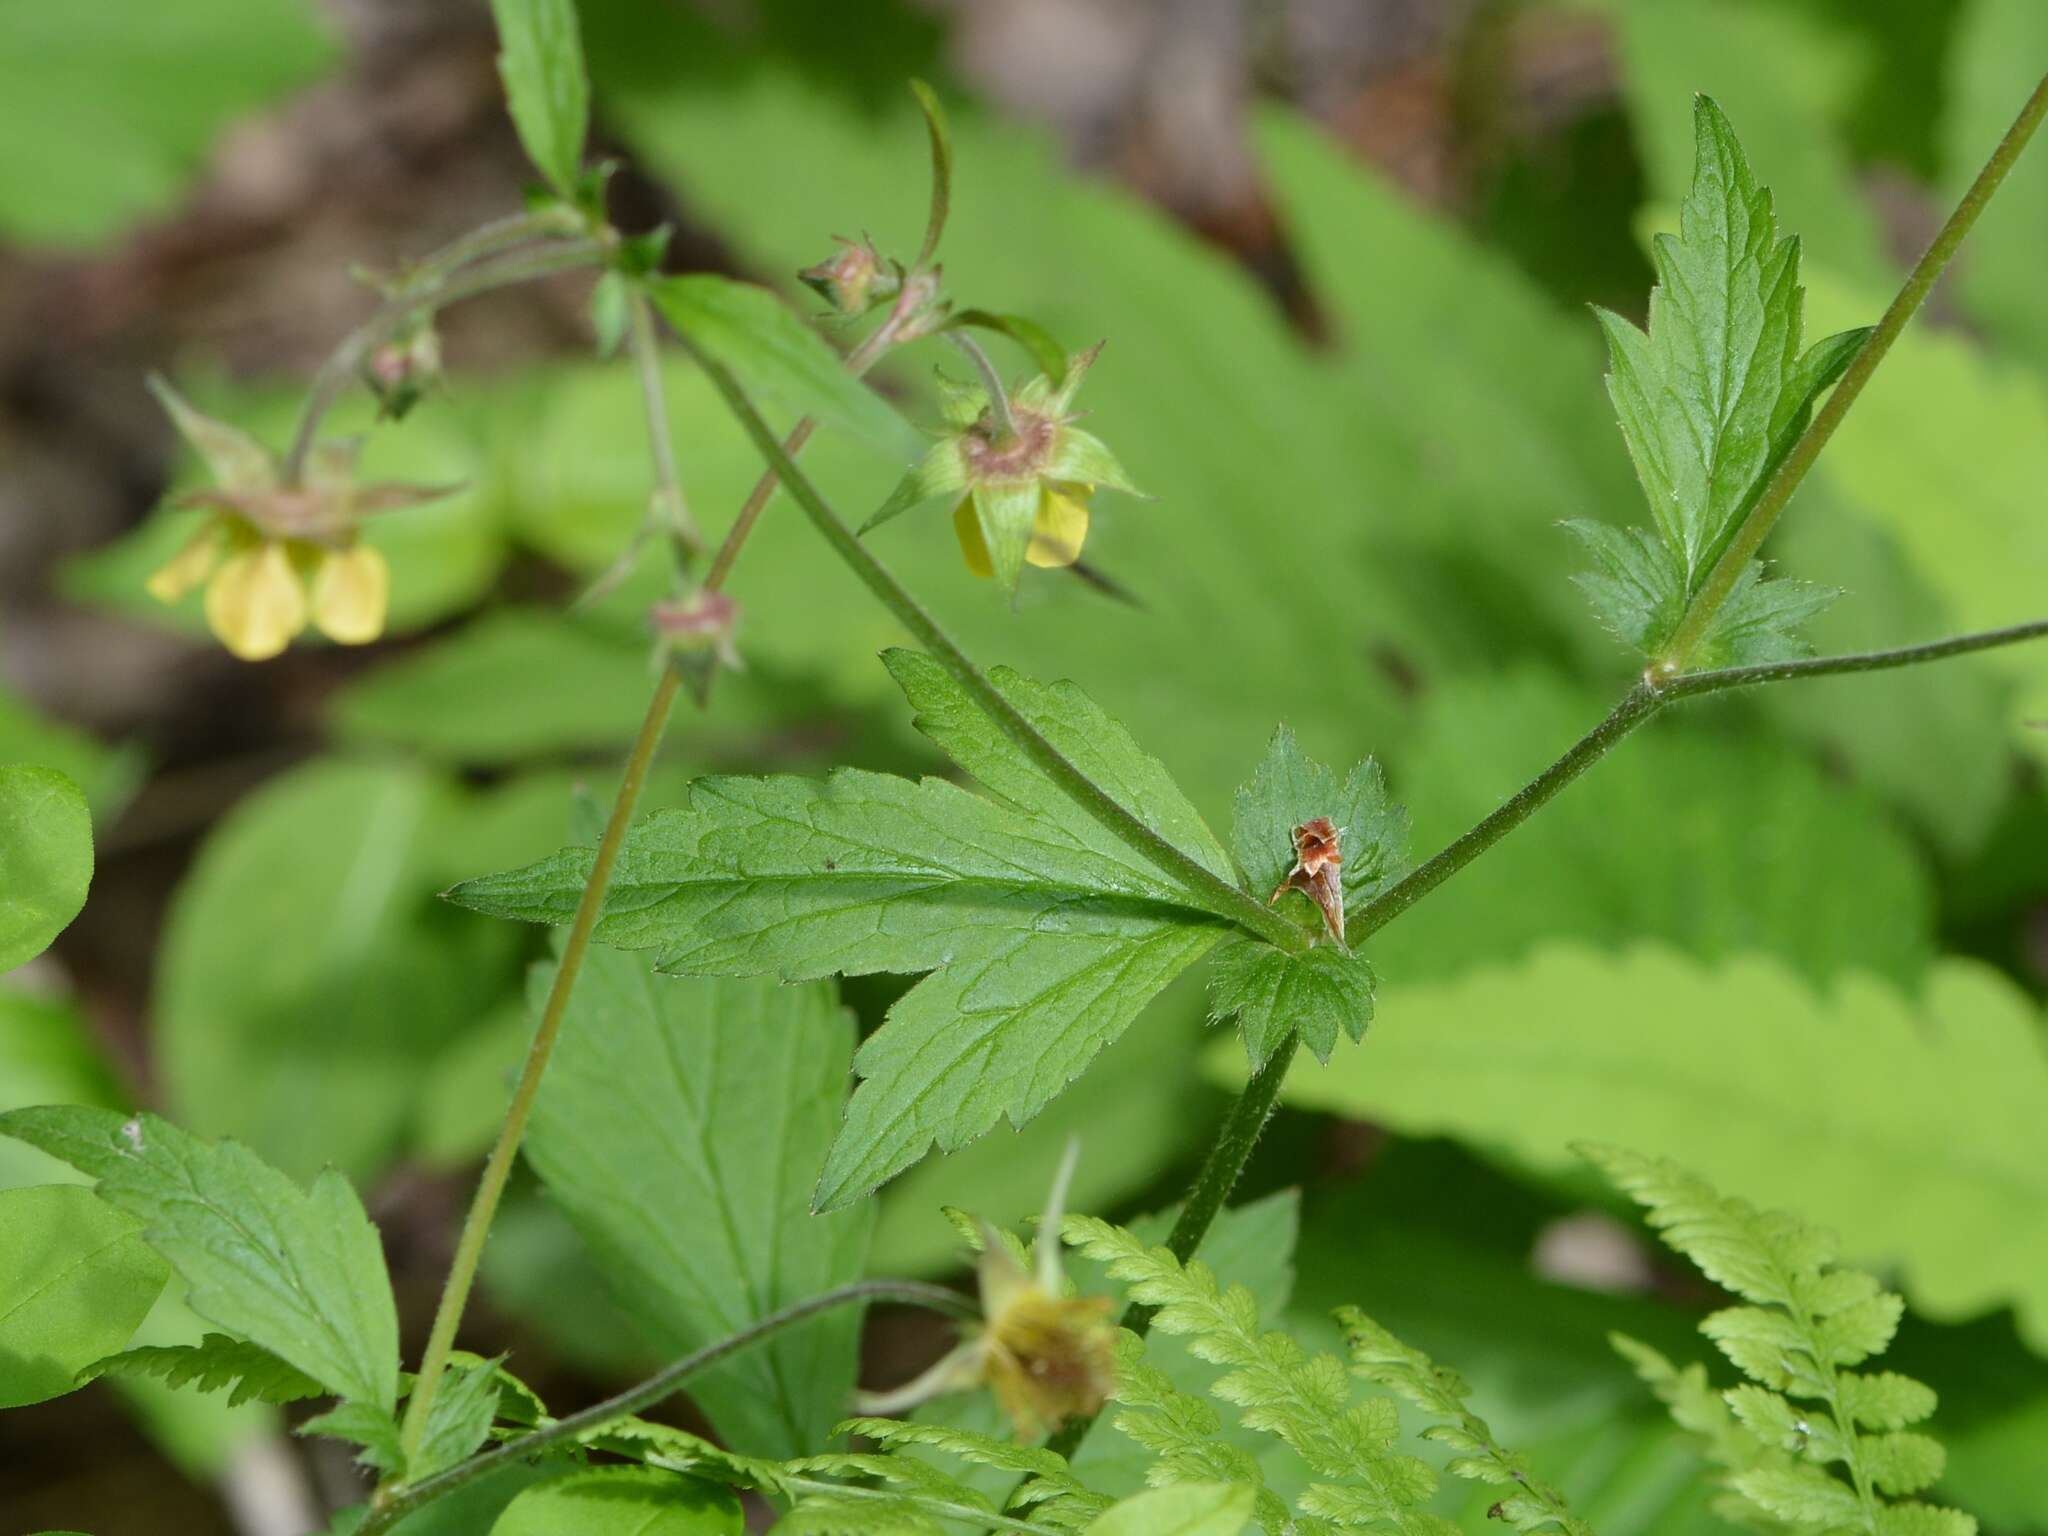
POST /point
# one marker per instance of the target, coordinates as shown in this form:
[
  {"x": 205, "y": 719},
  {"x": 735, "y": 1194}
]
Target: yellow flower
[
  {"x": 1047, "y": 1356},
  {"x": 274, "y": 557},
  {"x": 1024, "y": 489}
]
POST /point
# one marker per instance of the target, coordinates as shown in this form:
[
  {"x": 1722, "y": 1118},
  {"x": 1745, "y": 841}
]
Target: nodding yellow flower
[
  {"x": 1046, "y": 1355},
  {"x": 1023, "y": 489},
  {"x": 274, "y": 557}
]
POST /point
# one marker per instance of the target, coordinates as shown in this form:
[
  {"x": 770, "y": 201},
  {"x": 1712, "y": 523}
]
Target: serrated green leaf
[
  {"x": 1044, "y": 936},
  {"x": 299, "y": 1272},
  {"x": 622, "y": 1501},
  {"x": 1186, "y": 1509},
  {"x": 1711, "y": 398},
  {"x": 1321, "y": 993},
  {"x": 371, "y": 1429},
  {"x": 1924, "y": 1097},
  {"x": 541, "y": 61},
  {"x": 1924, "y": 1520},
  {"x": 778, "y": 357},
  {"x": 76, "y": 1279},
  {"x": 459, "y": 1418},
  {"x": 113, "y": 108},
  {"x": 1885, "y": 1399},
  {"x": 1800, "y": 1495},
  {"x": 45, "y": 859},
  {"x": 250, "y": 1372},
  {"x": 1901, "y": 1462},
  {"x": 680, "y": 1126},
  {"x": 1288, "y": 789}
]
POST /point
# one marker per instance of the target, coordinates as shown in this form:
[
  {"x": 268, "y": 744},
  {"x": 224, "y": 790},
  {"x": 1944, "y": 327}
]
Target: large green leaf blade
[
  {"x": 45, "y": 859},
  {"x": 546, "y": 90},
  {"x": 680, "y": 1127},
  {"x": 1912, "y": 1130},
  {"x": 76, "y": 1279},
  {"x": 1185, "y": 1509},
  {"x": 299, "y": 1272}
]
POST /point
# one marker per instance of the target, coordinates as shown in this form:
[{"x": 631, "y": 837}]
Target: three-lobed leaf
[
  {"x": 299, "y": 1272},
  {"x": 546, "y": 90},
  {"x": 45, "y": 858},
  {"x": 1044, "y": 934}
]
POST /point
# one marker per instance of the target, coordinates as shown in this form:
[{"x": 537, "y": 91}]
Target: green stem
[
  {"x": 396, "y": 1503},
  {"x": 498, "y": 1168},
  {"x": 1695, "y": 683},
  {"x": 1750, "y": 535},
  {"x": 672, "y": 510},
  {"x": 991, "y": 381},
  {"x": 1205, "y": 888},
  {"x": 343, "y": 364},
  {"x": 1221, "y": 1170}
]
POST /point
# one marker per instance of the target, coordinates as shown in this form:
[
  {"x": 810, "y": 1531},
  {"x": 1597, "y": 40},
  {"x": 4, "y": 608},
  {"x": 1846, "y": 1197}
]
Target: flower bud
[{"x": 855, "y": 280}]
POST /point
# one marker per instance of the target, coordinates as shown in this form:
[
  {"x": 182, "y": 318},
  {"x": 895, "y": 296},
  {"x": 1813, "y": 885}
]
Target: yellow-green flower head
[
  {"x": 275, "y": 557},
  {"x": 1046, "y": 1355},
  {"x": 1023, "y": 486}
]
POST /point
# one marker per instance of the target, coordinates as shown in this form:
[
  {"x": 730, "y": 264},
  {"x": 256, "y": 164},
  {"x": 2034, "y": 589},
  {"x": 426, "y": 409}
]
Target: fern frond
[
  {"x": 1050, "y": 1487},
  {"x": 1806, "y": 1410},
  {"x": 1182, "y": 1433},
  {"x": 1278, "y": 1388},
  {"x": 1410, "y": 1374},
  {"x": 251, "y": 1372}
]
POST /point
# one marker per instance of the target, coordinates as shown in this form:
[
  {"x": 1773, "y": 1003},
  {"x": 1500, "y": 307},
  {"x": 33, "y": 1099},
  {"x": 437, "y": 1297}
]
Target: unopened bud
[
  {"x": 701, "y": 624},
  {"x": 855, "y": 280},
  {"x": 401, "y": 370}
]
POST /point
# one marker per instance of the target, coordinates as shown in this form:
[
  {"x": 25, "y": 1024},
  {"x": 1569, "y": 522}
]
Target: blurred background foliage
[{"x": 1341, "y": 251}]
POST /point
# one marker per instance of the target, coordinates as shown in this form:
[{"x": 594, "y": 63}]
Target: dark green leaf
[
  {"x": 76, "y": 1279},
  {"x": 680, "y": 1127},
  {"x": 253, "y": 1373},
  {"x": 1269, "y": 993},
  {"x": 299, "y": 1273},
  {"x": 1289, "y": 789}
]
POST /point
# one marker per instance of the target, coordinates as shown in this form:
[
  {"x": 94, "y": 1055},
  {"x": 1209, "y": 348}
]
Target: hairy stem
[
  {"x": 394, "y": 1504},
  {"x": 1695, "y": 683},
  {"x": 342, "y": 365},
  {"x": 991, "y": 381},
  {"x": 498, "y": 1167},
  {"x": 1750, "y": 535},
  {"x": 1208, "y": 889},
  {"x": 672, "y": 511}
]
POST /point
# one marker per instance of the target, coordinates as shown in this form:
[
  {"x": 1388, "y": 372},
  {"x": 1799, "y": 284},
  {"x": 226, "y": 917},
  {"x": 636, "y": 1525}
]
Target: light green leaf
[
  {"x": 680, "y": 1127},
  {"x": 1724, "y": 838},
  {"x": 1933, "y": 1110},
  {"x": 1187, "y": 1509},
  {"x": 45, "y": 859},
  {"x": 778, "y": 357},
  {"x": 1289, "y": 789},
  {"x": 299, "y": 1012},
  {"x": 1269, "y": 992},
  {"x": 541, "y": 61},
  {"x": 622, "y": 1501},
  {"x": 108, "y": 775},
  {"x": 112, "y": 107},
  {"x": 300, "y": 1273},
  {"x": 1044, "y": 937},
  {"x": 1992, "y": 66},
  {"x": 253, "y": 1373},
  {"x": 47, "y": 1056},
  {"x": 459, "y": 1418},
  {"x": 76, "y": 1279}
]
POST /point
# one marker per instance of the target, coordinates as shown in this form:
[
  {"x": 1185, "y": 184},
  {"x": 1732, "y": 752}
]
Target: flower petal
[
  {"x": 1060, "y": 528},
  {"x": 255, "y": 603},
  {"x": 973, "y": 548},
  {"x": 188, "y": 569},
  {"x": 351, "y": 590}
]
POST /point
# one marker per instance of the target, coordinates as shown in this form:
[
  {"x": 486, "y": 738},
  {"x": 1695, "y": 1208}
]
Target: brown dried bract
[{"x": 1318, "y": 872}]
